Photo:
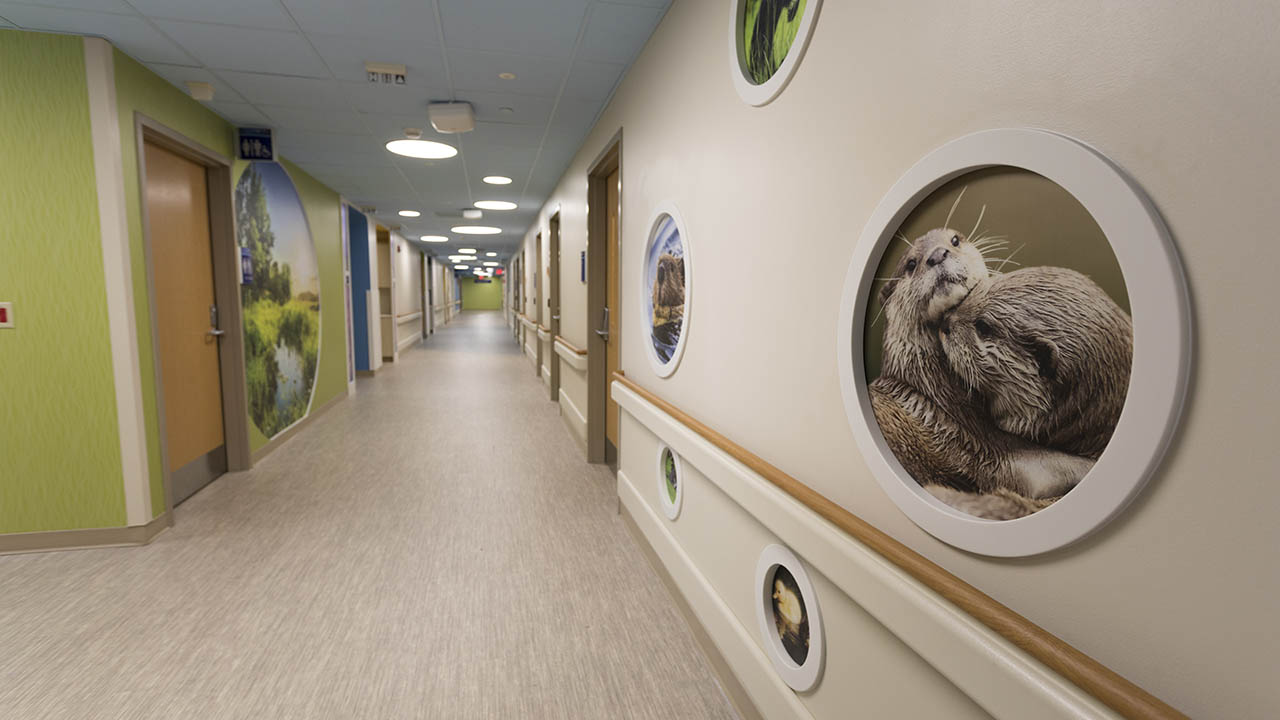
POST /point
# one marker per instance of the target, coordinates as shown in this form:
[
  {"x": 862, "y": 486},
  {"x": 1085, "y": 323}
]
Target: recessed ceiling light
[
  {"x": 507, "y": 75},
  {"x": 475, "y": 230},
  {"x": 424, "y": 149},
  {"x": 466, "y": 251},
  {"x": 491, "y": 264},
  {"x": 496, "y": 205},
  {"x": 491, "y": 254},
  {"x": 498, "y": 180},
  {"x": 409, "y": 213},
  {"x": 460, "y": 267},
  {"x": 434, "y": 238},
  {"x": 507, "y": 110}
]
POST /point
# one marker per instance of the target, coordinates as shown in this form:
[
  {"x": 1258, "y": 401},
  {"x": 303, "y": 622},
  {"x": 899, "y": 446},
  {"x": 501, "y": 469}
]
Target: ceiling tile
[
  {"x": 575, "y": 117},
  {"x": 392, "y": 99},
  {"x": 233, "y": 48},
  {"x": 525, "y": 109},
  {"x": 514, "y": 162},
  {"x": 347, "y": 54},
  {"x": 479, "y": 69},
  {"x": 288, "y": 91},
  {"x": 407, "y": 21},
  {"x": 504, "y": 134},
  {"x": 334, "y": 121},
  {"x": 132, "y": 34},
  {"x": 592, "y": 80},
  {"x": 616, "y": 33},
  {"x": 179, "y": 75},
  {"x": 5, "y": 23},
  {"x": 111, "y": 6},
  {"x": 248, "y": 13},
  {"x": 546, "y": 27},
  {"x": 387, "y": 126},
  {"x": 242, "y": 114}
]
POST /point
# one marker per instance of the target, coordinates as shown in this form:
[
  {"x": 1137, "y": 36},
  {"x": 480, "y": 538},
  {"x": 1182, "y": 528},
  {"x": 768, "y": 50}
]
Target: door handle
[
  {"x": 555, "y": 317},
  {"x": 216, "y": 332},
  {"x": 604, "y": 334}
]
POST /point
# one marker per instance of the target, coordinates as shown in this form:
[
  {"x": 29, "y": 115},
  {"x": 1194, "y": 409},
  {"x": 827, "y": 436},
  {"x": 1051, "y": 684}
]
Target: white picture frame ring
[
  {"x": 800, "y": 678},
  {"x": 669, "y": 508},
  {"x": 1162, "y": 349},
  {"x": 766, "y": 92},
  {"x": 661, "y": 369}
]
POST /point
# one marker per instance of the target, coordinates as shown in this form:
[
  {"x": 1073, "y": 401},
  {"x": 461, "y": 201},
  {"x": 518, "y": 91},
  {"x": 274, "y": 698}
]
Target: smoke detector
[{"x": 452, "y": 117}]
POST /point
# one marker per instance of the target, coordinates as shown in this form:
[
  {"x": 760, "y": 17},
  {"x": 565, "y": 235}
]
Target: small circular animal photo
[
  {"x": 670, "y": 482},
  {"x": 789, "y": 618},
  {"x": 666, "y": 292},
  {"x": 768, "y": 39},
  {"x": 998, "y": 343}
]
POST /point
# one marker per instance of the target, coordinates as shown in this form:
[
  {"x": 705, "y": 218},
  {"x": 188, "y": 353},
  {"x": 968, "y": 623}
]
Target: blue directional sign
[{"x": 256, "y": 144}]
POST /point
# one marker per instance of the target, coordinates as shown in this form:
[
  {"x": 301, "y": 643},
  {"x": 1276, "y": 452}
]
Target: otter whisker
[
  {"x": 1009, "y": 259},
  {"x": 903, "y": 238},
  {"x": 947, "y": 223},
  {"x": 977, "y": 224}
]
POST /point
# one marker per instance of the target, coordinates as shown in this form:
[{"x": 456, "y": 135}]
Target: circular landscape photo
[
  {"x": 789, "y": 615},
  {"x": 665, "y": 281},
  {"x": 281, "y": 298},
  {"x": 998, "y": 343},
  {"x": 769, "y": 29}
]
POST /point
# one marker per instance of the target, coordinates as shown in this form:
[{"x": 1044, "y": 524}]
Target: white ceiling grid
[{"x": 298, "y": 66}]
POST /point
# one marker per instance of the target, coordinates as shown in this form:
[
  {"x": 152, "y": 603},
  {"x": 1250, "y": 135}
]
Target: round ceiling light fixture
[
  {"x": 507, "y": 75},
  {"x": 496, "y": 205},
  {"x": 467, "y": 251},
  {"x": 491, "y": 264},
  {"x": 434, "y": 238},
  {"x": 409, "y": 213},
  {"x": 475, "y": 230},
  {"x": 460, "y": 267},
  {"x": 491, "y": 254},
  {"x": 498, "y": 180},
  {"x": 415, "y": 147}
]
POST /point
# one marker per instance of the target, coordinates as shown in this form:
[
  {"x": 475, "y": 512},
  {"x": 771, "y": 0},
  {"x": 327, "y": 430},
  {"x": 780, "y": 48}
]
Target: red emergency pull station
[{"x": 6, "y": 315}]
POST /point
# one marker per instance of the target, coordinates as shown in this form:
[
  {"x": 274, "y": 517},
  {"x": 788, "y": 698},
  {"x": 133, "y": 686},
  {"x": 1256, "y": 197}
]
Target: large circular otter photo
[
  {"x": 998, "y": 344},
  {"x": 666, "y": 293}
]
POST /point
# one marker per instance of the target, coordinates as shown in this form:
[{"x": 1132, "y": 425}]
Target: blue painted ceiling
[{"x": 298, "y": 66}]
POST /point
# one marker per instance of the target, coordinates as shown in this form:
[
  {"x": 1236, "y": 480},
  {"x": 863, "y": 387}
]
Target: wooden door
[
  {"x": 554, "y": 306},
  {"x": 182, "y": 261},
  {"x": 537, "y": 303},
  {"x": 612, "y": 355}
]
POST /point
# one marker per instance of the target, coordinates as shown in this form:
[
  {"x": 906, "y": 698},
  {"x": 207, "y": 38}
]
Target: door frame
[
  {"x": 598, "y": 382},
  {"x": 553, "y": 301},
  {"x": 226, "y": 289}
]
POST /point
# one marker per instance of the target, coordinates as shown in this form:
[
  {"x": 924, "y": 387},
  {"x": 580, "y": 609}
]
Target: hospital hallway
[{"x": 433, "y": 546}]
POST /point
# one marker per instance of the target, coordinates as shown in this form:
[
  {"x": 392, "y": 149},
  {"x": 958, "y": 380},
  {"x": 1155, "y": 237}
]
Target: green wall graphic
[
  {"x": 481, "y": 296},
  {"x": 60, "y": 449}
]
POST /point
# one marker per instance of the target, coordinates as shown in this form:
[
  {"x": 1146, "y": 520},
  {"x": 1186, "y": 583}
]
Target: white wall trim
[
  {"x": 998, "y": 676},
  {"x": 122, "y": 320},
  {"x": 532, "y": 352},
  {"x": 574, "y": 418},
  {"x": 736, "y": 642},
  {"x": 544, "y": 335},
  {"x": 571, "y": 358},
  {"x": 546, "y": 376},
  {"x": 529, "y": 323}
]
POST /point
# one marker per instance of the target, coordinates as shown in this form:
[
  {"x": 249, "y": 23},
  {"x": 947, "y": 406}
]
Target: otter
[
  {"x": 1050, "y": 352},
  {"x": 935, "y": 427},
  {"x": 668, "y": 287}
]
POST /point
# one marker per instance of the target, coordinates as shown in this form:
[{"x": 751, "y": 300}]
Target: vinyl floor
[{"x": 432, "y": 547}]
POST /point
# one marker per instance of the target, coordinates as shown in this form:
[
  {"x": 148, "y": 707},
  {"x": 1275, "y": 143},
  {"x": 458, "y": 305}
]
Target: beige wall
[{"x": 1178, "y": 593}]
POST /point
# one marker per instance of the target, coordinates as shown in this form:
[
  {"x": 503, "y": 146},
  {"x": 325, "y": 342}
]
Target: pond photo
[
  {"x": 665, "y": 280},
  {"x": 281, "y": 299},
  {"x": 769, "y": 28},
  {"x": 998, "y": 343},
  {"x": 789, "y": 616}
]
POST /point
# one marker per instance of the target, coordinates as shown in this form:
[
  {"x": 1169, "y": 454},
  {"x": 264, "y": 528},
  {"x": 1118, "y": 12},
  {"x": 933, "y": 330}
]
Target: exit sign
[{"x": 256, "y": 144}]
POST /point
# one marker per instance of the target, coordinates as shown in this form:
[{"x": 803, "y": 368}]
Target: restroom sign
[{"x": 256, "y": 144}]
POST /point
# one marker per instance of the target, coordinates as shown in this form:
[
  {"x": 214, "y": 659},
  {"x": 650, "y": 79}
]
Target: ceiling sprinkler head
[{"x": 413, "y": 133}]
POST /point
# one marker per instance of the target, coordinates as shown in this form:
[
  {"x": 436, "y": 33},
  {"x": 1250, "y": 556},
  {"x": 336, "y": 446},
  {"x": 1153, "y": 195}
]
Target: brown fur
[
  {"x": 998, "y": 505},
  {"x": 936, "y": 428},
  {"x": 1049, "y": 351},
  {"x": 668, "y": 289}
]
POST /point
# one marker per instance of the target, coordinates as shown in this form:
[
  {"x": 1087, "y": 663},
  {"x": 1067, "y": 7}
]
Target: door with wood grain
[
  {"x": 613, "y": 308},
  {"x": 553, "y": 303},
  {"x": 187, "y": 332}
]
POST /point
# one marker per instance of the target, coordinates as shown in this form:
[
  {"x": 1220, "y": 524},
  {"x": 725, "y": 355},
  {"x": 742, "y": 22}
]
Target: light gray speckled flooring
[{"x": 434, "y": 546}]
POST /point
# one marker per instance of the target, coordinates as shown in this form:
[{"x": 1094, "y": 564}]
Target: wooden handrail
[
  {"x": 1090, "y": 675},
  {"x": 572, "y": 348},
  {"x": 543, "y": 328}
]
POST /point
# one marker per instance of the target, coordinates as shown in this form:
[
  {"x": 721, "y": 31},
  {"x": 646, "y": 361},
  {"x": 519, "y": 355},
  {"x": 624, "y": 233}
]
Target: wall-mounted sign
[
  {"x": 582, "y": 266},
  {"x": 246, "y": 267},
  {"x": 256, "y": 144}
]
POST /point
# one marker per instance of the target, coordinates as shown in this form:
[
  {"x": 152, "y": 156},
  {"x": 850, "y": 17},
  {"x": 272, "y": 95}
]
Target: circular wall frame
[
  {"x": 790, "y": 620},
  {"x": 670, "y": 481},
  {"x": 666, "y": 293},
  {"x": 1161, "y": 348},
  {"x": 762, "y": 93}
]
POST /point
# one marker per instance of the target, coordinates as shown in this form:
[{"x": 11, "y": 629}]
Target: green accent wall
[
  {"x": 481, "y": 296},
  {"x": 140, "y": 90},
  {"x": 60, "y": 449}
]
